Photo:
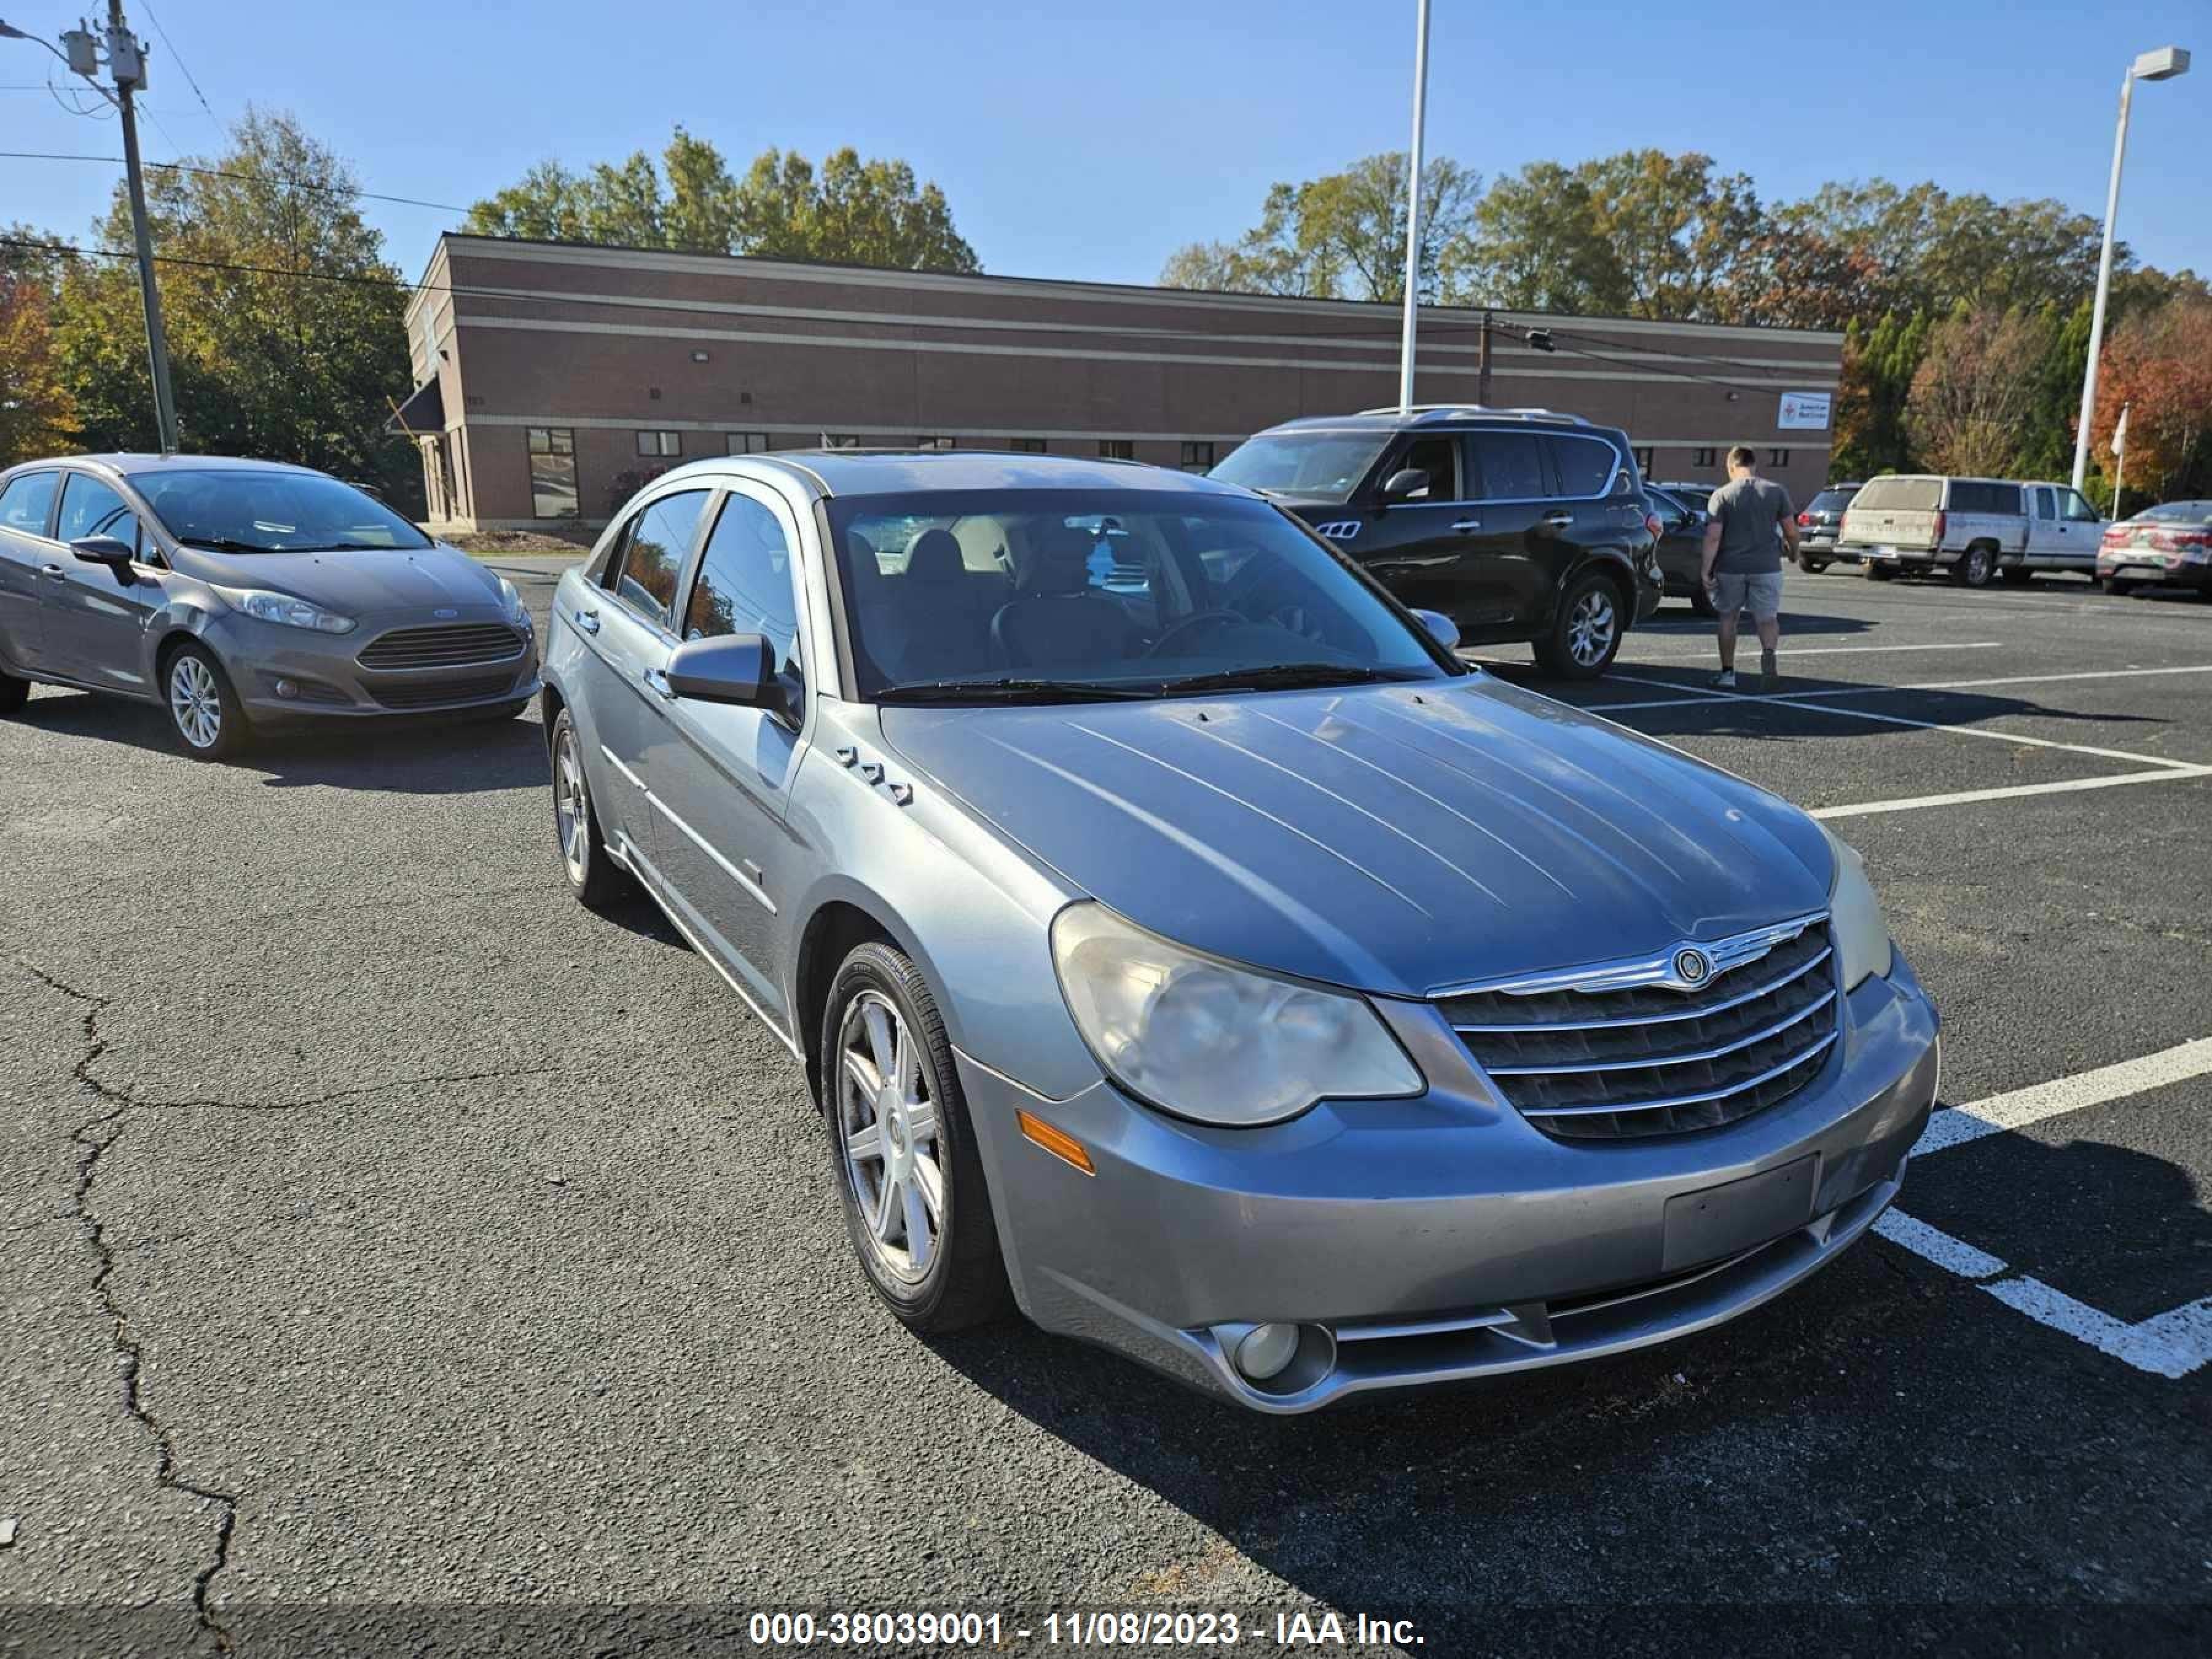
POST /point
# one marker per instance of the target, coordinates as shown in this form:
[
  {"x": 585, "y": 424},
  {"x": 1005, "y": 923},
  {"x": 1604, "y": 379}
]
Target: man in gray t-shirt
[{"x": 1750, "y": 523}]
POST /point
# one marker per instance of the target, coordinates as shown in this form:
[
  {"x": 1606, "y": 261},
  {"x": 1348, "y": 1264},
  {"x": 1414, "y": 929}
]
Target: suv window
[
  {"x": 1438, "y": 456},
  {"x": 743, "y": 585},
  {"x": 28, "y": 502},
  {"x": 90, "y": 507},
  {"x": 1586, "y": 464},
  {"x": 1507, "y": 466},
  {"x": 643, "y": 574}
]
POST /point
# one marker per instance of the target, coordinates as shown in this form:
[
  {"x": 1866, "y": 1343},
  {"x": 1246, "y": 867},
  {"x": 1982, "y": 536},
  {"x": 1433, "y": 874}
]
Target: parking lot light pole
[
  {"x": 2161, "y": 65},
  {"x": 1413, "y": 207}
]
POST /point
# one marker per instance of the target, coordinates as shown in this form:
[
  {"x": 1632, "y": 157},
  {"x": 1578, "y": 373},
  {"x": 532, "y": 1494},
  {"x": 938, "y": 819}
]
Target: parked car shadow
[
  {"x": 1830, "y": 717},
  {"x": 1674, "y": 619},
  {"x": 439, "y": 756}
]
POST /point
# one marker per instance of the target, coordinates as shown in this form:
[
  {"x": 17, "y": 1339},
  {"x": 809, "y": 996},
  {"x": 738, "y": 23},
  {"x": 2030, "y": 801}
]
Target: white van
[{"x": 1977, "y": 529}]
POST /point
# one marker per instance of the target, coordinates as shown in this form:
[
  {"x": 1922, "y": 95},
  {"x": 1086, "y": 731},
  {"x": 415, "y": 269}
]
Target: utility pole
[
  {"x": 1482, "y": 364},
  {"x": 1413, "y": 208},
  {"x": 126, "y": 63}
]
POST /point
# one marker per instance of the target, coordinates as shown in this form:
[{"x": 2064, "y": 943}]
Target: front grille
[
  {"x": 451, "y": 647},
  {"x": 472, "y": 690},
  {"x": 1611, "y": 1064}
]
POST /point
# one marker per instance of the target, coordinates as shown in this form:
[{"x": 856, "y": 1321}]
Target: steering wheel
[
  {"x": 1265, "y": 596},
  {"x": 1198, "y": 619}
]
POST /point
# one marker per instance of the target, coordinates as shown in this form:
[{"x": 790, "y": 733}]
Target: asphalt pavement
[{"x": 400, "y": 1256}]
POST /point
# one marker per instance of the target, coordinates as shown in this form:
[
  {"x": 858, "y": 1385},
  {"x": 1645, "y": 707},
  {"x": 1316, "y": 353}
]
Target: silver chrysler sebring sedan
[
  {"x": 1183, "y": 943},
  {"x": 244, "y": 593}
]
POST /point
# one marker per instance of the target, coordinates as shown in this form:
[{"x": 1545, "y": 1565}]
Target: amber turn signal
[{"x": 1062, "y": 1145}]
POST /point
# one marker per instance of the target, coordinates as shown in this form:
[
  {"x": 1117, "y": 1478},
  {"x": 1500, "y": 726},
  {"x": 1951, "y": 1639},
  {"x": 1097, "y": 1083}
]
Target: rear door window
[
  {"x": 2043, "y": 509},
  {"x": 1586, "y": 464},
  {"x": 26, "y": 505},
  {"x": 1507, "y": 466},
  {"x": 644, "y": 574},
  {"x": 1978, "y": 495}
]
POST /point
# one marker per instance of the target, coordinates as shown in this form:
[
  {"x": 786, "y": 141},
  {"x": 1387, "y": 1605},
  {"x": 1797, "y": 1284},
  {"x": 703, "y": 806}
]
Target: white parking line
[
  {"x": 1954, "y": 1126},
  {"x": 1880, "y": 691},
  {"x": 2171, "y": 1344},
  {"x": 1844, "y": 650},
  {"x": 2011, "y": 791}
]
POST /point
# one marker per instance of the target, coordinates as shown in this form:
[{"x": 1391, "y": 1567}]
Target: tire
[
  {"x": 1812, "y": 567},
  {"x": 594, "y": 875},
  {"x": 1878, "y": 573},
  {"x": 1586, "y": 630},
  {"x": 881, "y": 1152},
  {"x": 1979, "y": 568},
  {"x": 204, "y": 715},
  {"x": 2019, "y": 578},
  {"x": 14, "y": 693}
]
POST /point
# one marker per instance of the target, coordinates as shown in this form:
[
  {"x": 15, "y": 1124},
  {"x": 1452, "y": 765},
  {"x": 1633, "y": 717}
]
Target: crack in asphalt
[{"x": 93, "y": 1137}]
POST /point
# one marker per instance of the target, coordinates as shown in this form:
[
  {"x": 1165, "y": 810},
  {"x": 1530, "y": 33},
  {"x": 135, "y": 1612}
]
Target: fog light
[
  {"x": 1267, "y": 1350},
  {"x": 287, "y": 688}
]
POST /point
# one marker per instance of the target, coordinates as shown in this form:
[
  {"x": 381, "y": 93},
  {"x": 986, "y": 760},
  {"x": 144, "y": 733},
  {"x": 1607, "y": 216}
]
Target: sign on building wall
[{"x": 1804, "y": 411}]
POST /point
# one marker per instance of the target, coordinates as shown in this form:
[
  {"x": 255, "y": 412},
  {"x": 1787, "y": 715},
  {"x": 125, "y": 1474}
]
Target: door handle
[
  {"x": 657, "y": 683},
  {"x": 51, "y": 569},
  {"x": 1466, "y": 523},
  {"x": 1557, "y": 520},
  {"x": 588, "y": 621}
]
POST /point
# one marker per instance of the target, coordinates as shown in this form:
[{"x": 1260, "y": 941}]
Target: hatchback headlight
[
  {"x": 1207, "y": 1039},
  {"x": 1855, "y": 917},
  {"x": 511, "y": 596},
  {"x": 283, "y": 608}
]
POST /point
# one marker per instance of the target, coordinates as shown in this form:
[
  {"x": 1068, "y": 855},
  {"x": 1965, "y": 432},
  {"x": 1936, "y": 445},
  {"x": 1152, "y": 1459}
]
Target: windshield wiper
[
  {"x": 1277, "y": 677},
  {"x": 1011, "y": 690},
  {"x": 226, "y": 544}
]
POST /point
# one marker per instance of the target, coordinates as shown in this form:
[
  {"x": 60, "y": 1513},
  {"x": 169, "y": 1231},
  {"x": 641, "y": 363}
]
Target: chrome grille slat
[
  {"x": 1618, "y": 1056},
  {"x": 454, "y": 645}
]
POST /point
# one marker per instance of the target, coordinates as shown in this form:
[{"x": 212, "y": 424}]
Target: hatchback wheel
[
  {"x": 203, "y": 710},
  {"x": 14, "y": 693},
  {"x": 906, "y": 1162},
  {"x": 594, "y": 875},
  {"x": 1586, "y": 633}
]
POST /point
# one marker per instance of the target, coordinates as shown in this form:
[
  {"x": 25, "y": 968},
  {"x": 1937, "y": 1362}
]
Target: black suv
[{"x": 1517, "y": 524}]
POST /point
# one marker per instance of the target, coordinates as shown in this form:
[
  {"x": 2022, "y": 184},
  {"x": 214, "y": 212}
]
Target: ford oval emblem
[
  {"x": 445, "y": 613},
  {"x": 1693, "y": 967}
]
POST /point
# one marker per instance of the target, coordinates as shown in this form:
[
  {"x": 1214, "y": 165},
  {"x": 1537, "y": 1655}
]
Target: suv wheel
[
  {"x": 1586, "y": 631},
  {"x": 594, "y": 875},
  {"x": 204, "y": 711},
  {"x": 1978, "y": 566},
  {"x": 904, "y": 1152}
]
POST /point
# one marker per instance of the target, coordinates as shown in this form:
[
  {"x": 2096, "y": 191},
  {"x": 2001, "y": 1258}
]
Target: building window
[
  {"x": 840, "y": 440},
  {"x": 1026, "y": 446},
  {"x": 1778, "y": 458},
  {"x": 659, "y": 443},
  {"x": 745, "y": 443},
  {"x": 932, "y": 443},
  {"x": 1116, "y": 449},
  {"x": 1708, "y": 458},
  {"x": 553, "y": 471},
  {"x": 1197, "y": 457},
  {"x": 1643, "y": 460}
]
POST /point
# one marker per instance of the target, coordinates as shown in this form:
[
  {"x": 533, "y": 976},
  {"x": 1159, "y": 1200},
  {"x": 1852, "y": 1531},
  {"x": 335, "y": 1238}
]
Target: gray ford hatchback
[{"x": 1184, "y": 945}]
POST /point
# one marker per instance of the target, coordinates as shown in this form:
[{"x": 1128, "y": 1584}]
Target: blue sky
[{"x": 1089, "y": 142}]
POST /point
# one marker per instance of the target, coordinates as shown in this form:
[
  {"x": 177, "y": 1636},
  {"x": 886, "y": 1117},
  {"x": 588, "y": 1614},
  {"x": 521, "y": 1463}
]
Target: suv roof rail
[{"x": 1456, "y": 411}]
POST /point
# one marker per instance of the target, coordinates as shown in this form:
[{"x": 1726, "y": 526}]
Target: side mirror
[
  {"x": 117, "y": 556},
  {"x": 1442, "y": 628},
  {"x": 730, "y": 668},
  {"x": 1404, "y": 482}
]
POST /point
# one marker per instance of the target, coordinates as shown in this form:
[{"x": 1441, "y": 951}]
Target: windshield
[
  {"x": 245, "y": 511},
  {"x": 1302, "y": 463},
  {"x": 1037, "y": 594}
]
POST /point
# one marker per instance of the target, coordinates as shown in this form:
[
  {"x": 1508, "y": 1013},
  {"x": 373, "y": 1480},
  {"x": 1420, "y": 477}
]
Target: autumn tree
[
  {"x": 38, "y": 416},
  {"x": 283, "y": 317},
  {"x": 858, "y": 212},
  {"x": 1341, "y": 236},
  {"x": 1974, "y": 391},
  {"x": 2158, "y": 366}
]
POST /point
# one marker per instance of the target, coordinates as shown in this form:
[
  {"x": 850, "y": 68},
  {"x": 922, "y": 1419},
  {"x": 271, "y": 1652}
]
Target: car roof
[
  {"x": 128, "y": 465},
  {"x": 1446, "y": 416},
  {"x": 903, "y": 471}
]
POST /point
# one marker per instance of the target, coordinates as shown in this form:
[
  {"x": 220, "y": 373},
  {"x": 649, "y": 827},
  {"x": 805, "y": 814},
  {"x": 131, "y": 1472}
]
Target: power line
[
  {"x": 224, "y": 173},
  {"x": 147, "y": 6}
]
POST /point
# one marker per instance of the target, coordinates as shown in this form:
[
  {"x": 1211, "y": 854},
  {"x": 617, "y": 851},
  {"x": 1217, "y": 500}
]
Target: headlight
[
  {"x": 1855, "y": 918},
  {"x": 518, "y": 612},
  {"x": 1207, "y": 1040},
  {"x": 283, "y": 608}
]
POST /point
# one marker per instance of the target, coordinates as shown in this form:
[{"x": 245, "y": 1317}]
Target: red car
[{"x": 2171, "y": 544}]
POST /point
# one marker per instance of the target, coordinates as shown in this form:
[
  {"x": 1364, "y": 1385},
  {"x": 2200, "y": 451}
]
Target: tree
[
  {"x": 1340, "y": 236},
  {"x": 38, "y": 416},
  {"x": 1975, "y": 390},
  {"x": 1534, "y": 246},
  {"x": 2158, "y": 366},
  {"x": 1880, "y": 363},
  {"x": 285, "y": 320},
  {"x": 870, "y": 212}
]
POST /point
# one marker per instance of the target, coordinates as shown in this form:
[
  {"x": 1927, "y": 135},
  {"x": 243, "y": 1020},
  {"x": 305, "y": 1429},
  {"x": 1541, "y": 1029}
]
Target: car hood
[
  {"x": 355, "y": 584},
  {"x": 1398, "y": 839}
]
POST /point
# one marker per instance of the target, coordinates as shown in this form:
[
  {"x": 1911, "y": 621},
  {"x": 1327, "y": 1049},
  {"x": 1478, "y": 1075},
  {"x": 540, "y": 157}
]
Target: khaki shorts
[{"x": 1760, "y": 594}]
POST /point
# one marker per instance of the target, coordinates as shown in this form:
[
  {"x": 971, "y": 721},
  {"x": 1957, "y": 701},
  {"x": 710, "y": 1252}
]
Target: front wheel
[
  {"x": 205, "y": 714},
  {"x": 1979, "y": 568},
  {"x": 594, "y": 875},
  {"x": 1586, "y": 632},
  {"x": 14, "y": 693},
  {"x": 903, "y": 1149}
]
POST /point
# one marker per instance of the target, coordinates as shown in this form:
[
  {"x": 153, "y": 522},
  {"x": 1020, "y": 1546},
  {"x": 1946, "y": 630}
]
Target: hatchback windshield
[
  {"x": 1043, "y": 594},
  {"x": 1302, "y": 463},
  {"x": 241, "y": 510}
]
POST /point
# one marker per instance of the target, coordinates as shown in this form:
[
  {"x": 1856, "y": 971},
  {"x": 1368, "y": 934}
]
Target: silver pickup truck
[{"x": 1976, "y": 529}]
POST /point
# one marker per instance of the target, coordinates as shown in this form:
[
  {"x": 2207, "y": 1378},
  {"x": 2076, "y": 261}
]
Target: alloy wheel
[
  {"x": 888, "y": 1128},
  {"x": 1590, "y": 627},
  {"x": 571, "y": 808},
  {"x": 195, "y": 700}
]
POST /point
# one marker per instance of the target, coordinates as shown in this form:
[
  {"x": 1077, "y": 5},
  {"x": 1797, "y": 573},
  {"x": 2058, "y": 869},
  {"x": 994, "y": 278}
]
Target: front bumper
[
  {"x": 289, "y": 676},
  {"x": 1898, "y": 558},
  {"x": 1437, "y": 1238}
]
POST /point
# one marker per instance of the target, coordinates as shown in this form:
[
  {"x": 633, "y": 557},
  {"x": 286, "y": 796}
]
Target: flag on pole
[{"x": 2120, "y": 431}]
